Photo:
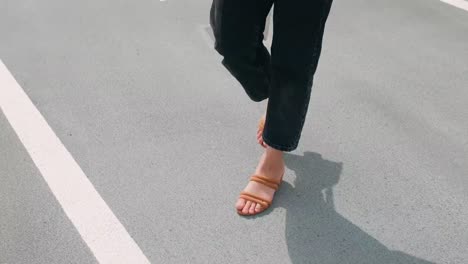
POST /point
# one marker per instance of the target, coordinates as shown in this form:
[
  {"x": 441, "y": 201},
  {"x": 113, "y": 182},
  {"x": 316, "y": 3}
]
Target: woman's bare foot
[
  {"x": 271, "y": 165},
  {"x": 261, "y": 125}
]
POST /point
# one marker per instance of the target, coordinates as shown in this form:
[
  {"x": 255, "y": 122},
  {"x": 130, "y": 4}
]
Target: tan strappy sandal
[
  {"x": 261, "y": 126},
  {"x": 257, "y": 199}
]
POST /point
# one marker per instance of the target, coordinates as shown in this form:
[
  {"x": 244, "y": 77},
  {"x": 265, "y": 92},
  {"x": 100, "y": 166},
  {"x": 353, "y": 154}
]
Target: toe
[
  {"x": 260, "y": 140},
  {"x": 252, "y": 208},
  {"x": 258, "y": 208},
  {"x": 246, "y": 208},
  {"x": 240, "y": 204}
]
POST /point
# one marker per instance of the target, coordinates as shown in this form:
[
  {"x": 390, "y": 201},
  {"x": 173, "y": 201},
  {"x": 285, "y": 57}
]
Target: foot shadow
[{"x": 315, "y": 232}]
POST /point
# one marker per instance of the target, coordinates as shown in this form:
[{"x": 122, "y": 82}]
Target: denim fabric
[{"x": 285, "y": 77}]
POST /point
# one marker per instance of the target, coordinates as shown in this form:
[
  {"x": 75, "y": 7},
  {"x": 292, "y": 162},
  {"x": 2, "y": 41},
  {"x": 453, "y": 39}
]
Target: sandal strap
[
  {"x": 265, "y": 181},
  {"x": 255, "y": 198}
]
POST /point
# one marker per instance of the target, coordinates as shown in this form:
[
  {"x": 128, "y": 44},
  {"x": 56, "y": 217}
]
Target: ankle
[
  {"x": 271, "y": 162},
  {"x": 273, "y": 154}
]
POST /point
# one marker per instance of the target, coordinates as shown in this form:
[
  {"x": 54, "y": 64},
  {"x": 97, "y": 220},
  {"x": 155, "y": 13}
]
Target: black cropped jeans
[{"x": 285, "y": 77}]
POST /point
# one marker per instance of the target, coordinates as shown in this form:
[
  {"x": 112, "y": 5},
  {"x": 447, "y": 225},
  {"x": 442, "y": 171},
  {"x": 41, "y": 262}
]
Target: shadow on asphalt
[{"x": 315, "y": 232}]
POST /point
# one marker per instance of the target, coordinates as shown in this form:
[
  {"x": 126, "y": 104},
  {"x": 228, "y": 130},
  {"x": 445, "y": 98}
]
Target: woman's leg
[
  {"x": 238, "y": 27},
  {"x": 297, "y": 41}
]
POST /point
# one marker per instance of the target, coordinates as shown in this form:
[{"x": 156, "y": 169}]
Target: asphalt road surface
[{"x": 138, "y": 97}]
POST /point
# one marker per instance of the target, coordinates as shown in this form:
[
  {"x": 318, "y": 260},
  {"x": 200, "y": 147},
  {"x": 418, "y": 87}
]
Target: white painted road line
[
  {"x": 458, "y": 3},
  {"x": 98, "y": 226}
]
